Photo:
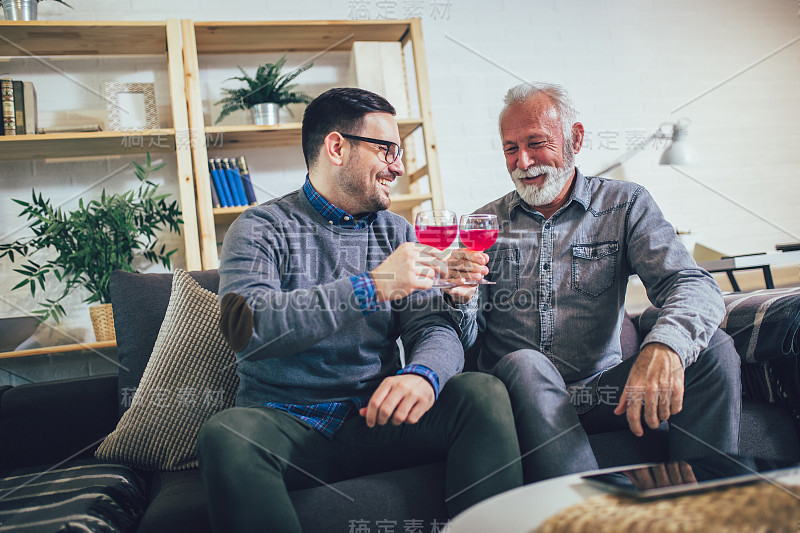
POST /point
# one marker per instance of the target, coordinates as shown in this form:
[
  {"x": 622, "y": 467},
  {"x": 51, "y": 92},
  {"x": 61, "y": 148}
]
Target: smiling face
[
  {"x": 365, "y": 176},
  {"x": 537, "y": 158}
]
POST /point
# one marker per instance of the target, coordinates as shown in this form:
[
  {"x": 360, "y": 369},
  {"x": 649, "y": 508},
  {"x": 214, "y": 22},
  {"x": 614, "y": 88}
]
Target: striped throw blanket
[
  {"x": 765, "y": 327},
  {"x": 82, "y": 498},
  {"x": 764, "y": 324}
]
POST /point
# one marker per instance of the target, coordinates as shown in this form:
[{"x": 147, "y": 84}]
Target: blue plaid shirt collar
[{"x": 334, "y": 215}]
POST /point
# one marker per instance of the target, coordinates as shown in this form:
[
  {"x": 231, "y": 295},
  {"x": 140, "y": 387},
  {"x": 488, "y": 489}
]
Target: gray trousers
[
  {"x": 553, "y": 436},
  {"x": 251, "y": 457}
]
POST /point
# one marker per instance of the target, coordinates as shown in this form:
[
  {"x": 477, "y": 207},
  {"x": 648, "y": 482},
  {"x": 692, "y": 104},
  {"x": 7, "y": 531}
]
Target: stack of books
[
  {"x": 230, "y": 182},
  {"x": 18, "y": 107}
]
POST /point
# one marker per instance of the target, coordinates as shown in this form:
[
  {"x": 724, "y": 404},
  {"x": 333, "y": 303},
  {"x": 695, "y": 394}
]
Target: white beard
[{"x": 554, "y": 181}]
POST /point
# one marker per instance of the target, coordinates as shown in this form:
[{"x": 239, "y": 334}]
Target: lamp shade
[{"x": 679, "y": 151}]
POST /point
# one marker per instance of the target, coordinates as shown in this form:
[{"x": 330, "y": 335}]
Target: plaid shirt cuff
[
  {"x": 364, "y": 289},
  {"x": 425, "y": 372}
]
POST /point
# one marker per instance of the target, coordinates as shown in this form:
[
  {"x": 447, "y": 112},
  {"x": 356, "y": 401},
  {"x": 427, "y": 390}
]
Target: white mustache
[{"x": 532, "y": 172}]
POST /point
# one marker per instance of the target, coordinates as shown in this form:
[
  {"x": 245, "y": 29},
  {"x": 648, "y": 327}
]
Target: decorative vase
[
  {"x": 20, "y": 9},
  {"x": 103, "y": 322},
  {"x": 265, "y": 114}
]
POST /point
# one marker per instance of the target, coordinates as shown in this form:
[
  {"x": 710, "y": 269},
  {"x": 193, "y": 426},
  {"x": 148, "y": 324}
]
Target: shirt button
[
  {"x": 330, "y": 222},
  {"x": 347, "y": 218},
  {"x": 544, "y": 307},
  {"x": 546, "y": 266},
  {"x": 547, "y": 226}
]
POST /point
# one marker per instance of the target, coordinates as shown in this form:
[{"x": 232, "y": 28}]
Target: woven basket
[
  {"x": 760, "y": 507},
  {"x": 103, "y": 322}
]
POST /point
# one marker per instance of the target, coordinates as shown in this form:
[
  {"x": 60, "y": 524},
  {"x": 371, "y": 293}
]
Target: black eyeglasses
[{"x": 392, "y": 150}]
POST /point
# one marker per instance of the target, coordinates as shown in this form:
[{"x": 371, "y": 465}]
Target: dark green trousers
[{"x": 251, "y": 457}]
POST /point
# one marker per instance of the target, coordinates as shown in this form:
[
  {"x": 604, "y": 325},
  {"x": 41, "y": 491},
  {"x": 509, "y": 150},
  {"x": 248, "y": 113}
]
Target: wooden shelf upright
[{"x": 200, "y": 38}]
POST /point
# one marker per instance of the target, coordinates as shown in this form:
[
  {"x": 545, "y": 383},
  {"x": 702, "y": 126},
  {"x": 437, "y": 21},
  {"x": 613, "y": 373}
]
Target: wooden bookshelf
[
  {"x": 200, "y": 38},
  {"x": 91, "y": 38}
]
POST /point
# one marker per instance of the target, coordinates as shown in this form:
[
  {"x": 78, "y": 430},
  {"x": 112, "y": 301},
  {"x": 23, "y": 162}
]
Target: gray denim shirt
[{"x": 561, "y": 283}]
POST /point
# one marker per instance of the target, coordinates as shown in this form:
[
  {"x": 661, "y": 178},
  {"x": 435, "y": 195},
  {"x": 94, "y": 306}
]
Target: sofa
[{"x": 49, "y": 431}]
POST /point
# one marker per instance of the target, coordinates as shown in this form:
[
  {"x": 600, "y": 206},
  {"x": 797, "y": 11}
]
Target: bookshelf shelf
[
  {"x": 203, "y": 38},
  {"x": 310, "y": 36},
  {"x": 400, "y": 202},
  {"x": 81, "y": 38},
  {"x": 96, "y": 143},
  {"x": 226, "y": 215},
  {"x": 287, "y": 134}
]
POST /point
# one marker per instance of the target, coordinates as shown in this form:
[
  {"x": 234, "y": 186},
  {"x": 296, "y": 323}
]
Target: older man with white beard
[{"x": 549, "y": 327}]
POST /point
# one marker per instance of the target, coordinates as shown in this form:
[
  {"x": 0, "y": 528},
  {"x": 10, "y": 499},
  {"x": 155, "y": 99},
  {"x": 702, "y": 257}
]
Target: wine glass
[
  {"x": 437, "y": 228},
  {"x": 478, "y": 232}
]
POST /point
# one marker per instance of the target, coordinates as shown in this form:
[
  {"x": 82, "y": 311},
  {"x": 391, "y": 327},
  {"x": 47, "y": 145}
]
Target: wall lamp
[{"x": 677, "y": 152}]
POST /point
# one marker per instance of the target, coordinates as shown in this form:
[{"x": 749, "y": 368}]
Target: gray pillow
[{"x": 190, "y": 375}]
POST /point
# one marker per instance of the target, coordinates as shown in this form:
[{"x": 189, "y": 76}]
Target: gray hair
[{"x": 557, "y": 94}]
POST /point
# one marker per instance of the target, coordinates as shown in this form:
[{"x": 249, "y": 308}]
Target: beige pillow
[{"x": 190, "y": 376}]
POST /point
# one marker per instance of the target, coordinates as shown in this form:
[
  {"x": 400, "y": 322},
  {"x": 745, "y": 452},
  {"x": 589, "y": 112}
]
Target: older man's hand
[
  {"x": 655, "y": 383},
  {"x": 463, "y": 266}
]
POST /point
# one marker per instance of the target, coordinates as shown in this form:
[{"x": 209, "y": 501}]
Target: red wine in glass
[
  {"x": 478, "y": 232},
  {"x": 436, "y": 228},
  {"x": 440, "y": 237},
  {"x": 478, "y": 240}
]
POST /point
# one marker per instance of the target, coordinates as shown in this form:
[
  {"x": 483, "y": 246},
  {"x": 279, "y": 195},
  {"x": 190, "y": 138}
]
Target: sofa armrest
[
  {"x": 764, "y": 324},
  {"x": 49, "y": 422}
]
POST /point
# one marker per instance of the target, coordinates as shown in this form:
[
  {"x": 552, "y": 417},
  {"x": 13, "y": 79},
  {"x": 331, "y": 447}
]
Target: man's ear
[
  {"x": 334, "y": 148},
  {"x": 577, "y": 137}
]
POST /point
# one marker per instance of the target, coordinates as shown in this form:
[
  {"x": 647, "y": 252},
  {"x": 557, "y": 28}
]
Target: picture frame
[{"x": 131, "y": 106}]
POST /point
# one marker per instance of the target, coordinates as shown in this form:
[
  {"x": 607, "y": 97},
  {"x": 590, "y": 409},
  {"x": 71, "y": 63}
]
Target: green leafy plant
[
  {"x": 93, "y": 240},
  {"x": 268, "y": 86}
]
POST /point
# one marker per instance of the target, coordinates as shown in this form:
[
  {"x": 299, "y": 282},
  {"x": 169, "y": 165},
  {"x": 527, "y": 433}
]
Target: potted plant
[
  {"x": 91, "y": 241},
  {"x": 24, "y": 9},
  {"x": 265, "y": 93}
]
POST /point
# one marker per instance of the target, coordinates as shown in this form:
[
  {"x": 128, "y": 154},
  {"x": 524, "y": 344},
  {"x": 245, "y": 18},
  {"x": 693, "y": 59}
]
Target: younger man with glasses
[{"x": 315, "y": 288}]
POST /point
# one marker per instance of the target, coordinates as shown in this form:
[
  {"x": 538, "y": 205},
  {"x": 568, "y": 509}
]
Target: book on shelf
[
  {"x": 9, "y": 117},
  {"x": 71, "y": 129},
  {"x": 235, "y": 181},
  {"x": 215, "y": 201},
  {"x": 31, "y": 108},
  {"x": 231, "y": 185},
  {"x": 19, "y": 108},
  {"x": 221, "y": 184},
  {"x": 248, "y": 184}
]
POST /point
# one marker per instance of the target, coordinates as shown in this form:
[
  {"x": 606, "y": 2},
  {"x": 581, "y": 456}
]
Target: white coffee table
[{"x": 524, "y": 509}]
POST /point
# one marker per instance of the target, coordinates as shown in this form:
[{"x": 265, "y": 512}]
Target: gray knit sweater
[{"x": 311, "y": 342}]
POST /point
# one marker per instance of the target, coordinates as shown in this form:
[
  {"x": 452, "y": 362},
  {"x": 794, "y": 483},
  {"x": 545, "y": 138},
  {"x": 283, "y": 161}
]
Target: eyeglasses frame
[{"x": 387, "y": 144}]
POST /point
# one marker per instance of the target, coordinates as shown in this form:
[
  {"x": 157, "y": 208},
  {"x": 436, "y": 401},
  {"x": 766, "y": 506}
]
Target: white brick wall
[{"x": 627, "y": 63}]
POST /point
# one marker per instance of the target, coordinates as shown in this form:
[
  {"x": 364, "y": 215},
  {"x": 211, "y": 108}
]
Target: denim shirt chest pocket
[
  {"x": 594, "y": 267},
  {"x": 504, "y": 271}
]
